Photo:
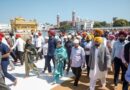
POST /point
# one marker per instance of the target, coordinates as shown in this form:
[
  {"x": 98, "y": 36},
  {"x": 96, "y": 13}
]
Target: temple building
[{"x": 21, "y": 25}]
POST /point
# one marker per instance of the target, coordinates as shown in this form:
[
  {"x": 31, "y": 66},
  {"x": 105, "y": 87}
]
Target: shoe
[
  {"x": 49, "y": 74},
  {"x": 115, "y": 88},
  {"x": 15, "y": 82},
  {"x": 88, "y": 89},
  {"x": 53, "y": 83},
  {"x": 43, "y": 72},
  {"x": 67, "y": 73},
  {"x": 11, "y": 69},
  {"x": 75, "y": 85},
  {"x": 104, "y": 88}
]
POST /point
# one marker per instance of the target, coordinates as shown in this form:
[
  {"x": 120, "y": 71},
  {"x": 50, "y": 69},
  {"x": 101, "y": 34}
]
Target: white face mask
[{"x": 76, "y": 45}]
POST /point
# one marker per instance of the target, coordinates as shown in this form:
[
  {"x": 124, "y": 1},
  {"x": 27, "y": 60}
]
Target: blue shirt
[
  {"x": 1, "y": 72},
  {"x": 51, "y": 46},
  {"x": 4, "y": 49},
  {"x": 77, "y": 56},
  {"x": 68, "y": 46},
  {"x": 117, "y": 48},
  {"x": 83, "y": 42}
]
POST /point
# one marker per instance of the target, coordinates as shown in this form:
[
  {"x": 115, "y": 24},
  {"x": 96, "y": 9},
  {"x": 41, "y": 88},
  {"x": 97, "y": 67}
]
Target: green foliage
[
  {"x": 97, "y": 24},
  {"x": 100, "y": 24},
  {"x": 65, "y": 26},
  {"x": 129, "y": 23},
  {"x": 120, "y": 23}
]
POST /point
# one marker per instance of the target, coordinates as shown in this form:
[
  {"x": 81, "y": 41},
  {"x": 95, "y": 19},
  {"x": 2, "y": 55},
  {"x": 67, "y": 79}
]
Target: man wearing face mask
[
  {"x": 51, "y": 49},
  {"x": 84, "y": 34},
  {"x": 77, "y": 59},
  {"x": 99, "y": 63},
  {"x": 68, "y": 46},
  {"x": 87, "y": 48},
  {"x": 100, "y": 33},
  {"x": 126, "y": 62},
  {"x": 117, "y": 59}
]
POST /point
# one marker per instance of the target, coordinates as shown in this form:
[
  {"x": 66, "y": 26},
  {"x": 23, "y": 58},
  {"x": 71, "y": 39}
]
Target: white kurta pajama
[
  {"x": 96, "y": 73},
  {"x": 88, "y": 45}
]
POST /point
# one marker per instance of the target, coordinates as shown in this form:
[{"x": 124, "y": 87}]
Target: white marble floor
[{"x": 44, "y": 82}]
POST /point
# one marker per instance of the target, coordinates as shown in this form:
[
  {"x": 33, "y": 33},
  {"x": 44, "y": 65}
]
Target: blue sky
[{"x": 46, "y": 10}]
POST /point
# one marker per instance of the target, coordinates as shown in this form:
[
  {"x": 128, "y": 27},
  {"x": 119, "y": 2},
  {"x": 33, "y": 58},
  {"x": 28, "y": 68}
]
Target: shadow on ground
[{"x": 84, "y": 84}]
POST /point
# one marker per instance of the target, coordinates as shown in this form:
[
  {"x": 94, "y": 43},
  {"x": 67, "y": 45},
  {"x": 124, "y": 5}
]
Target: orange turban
[
  {"x": 92, "y": 36},
  {"x": 84, "y": 34},
  {"x": 98, "y": 39},
  {"x": 99, "y": 31}
]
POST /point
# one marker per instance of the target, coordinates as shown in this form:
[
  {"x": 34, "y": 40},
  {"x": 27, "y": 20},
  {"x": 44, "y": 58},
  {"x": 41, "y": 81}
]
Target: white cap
[
  {"x": 47, "y": 37},
  {"x": 59, "y": 40},
  {"x": 56, "y": 37},
  {"x": 7, "y": 36},
  {"x": 65, "y": 36},
  {"x": 69, "y": 36},
  {"x": 76, "y": 41},
  {"x": 79, "y": 37},
  {"x": 36, "y": 34},
  {"x": 73, "y": 33}
]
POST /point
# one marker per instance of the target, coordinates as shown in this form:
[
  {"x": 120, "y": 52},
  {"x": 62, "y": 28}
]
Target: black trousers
[
  {"x": 117, "y": 65},
  {"x": 48, "y": 62},
  {"x": 64, "y": 64},
  {"x": 45, "y": 67},
  {"x": 68, "y": 64},
  {"x": 77, "y": 72},
  {"x": 87, "y": 62},
  {"x": 39, "y": 54},
  {"x": 20, "y": 57}
]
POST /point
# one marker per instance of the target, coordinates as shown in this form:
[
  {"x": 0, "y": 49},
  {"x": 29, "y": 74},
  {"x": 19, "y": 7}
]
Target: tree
[
  {"x": 103, "y": 24},
  {"x": 65, "y": 27},
  {"x": 129, "y": 23},
  {"x": 100, "y": 24},
  {"x": 97, "y": 25},
  {"x": 120, "y": 23}
]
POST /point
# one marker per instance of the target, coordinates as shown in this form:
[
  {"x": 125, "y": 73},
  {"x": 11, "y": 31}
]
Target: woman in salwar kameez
[
  {"x": 60, "y": 57},
  {"x": 29, "y": 55}
]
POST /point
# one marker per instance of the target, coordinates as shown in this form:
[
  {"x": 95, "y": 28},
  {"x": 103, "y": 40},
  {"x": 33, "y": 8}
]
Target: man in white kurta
[
  {"x": 99, "y": 63},
  {"x": 19, "y": 44},
  {"x": 39, "y": 43},
  {"x": 97, "y": 74}
]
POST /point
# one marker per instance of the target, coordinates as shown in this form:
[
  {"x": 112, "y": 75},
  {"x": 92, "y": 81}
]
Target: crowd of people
[{"x": 97, "y": 51}]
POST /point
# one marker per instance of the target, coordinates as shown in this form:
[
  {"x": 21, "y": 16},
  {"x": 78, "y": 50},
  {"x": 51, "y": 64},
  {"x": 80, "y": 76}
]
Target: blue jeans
[{"x": 4, "y": 65}]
